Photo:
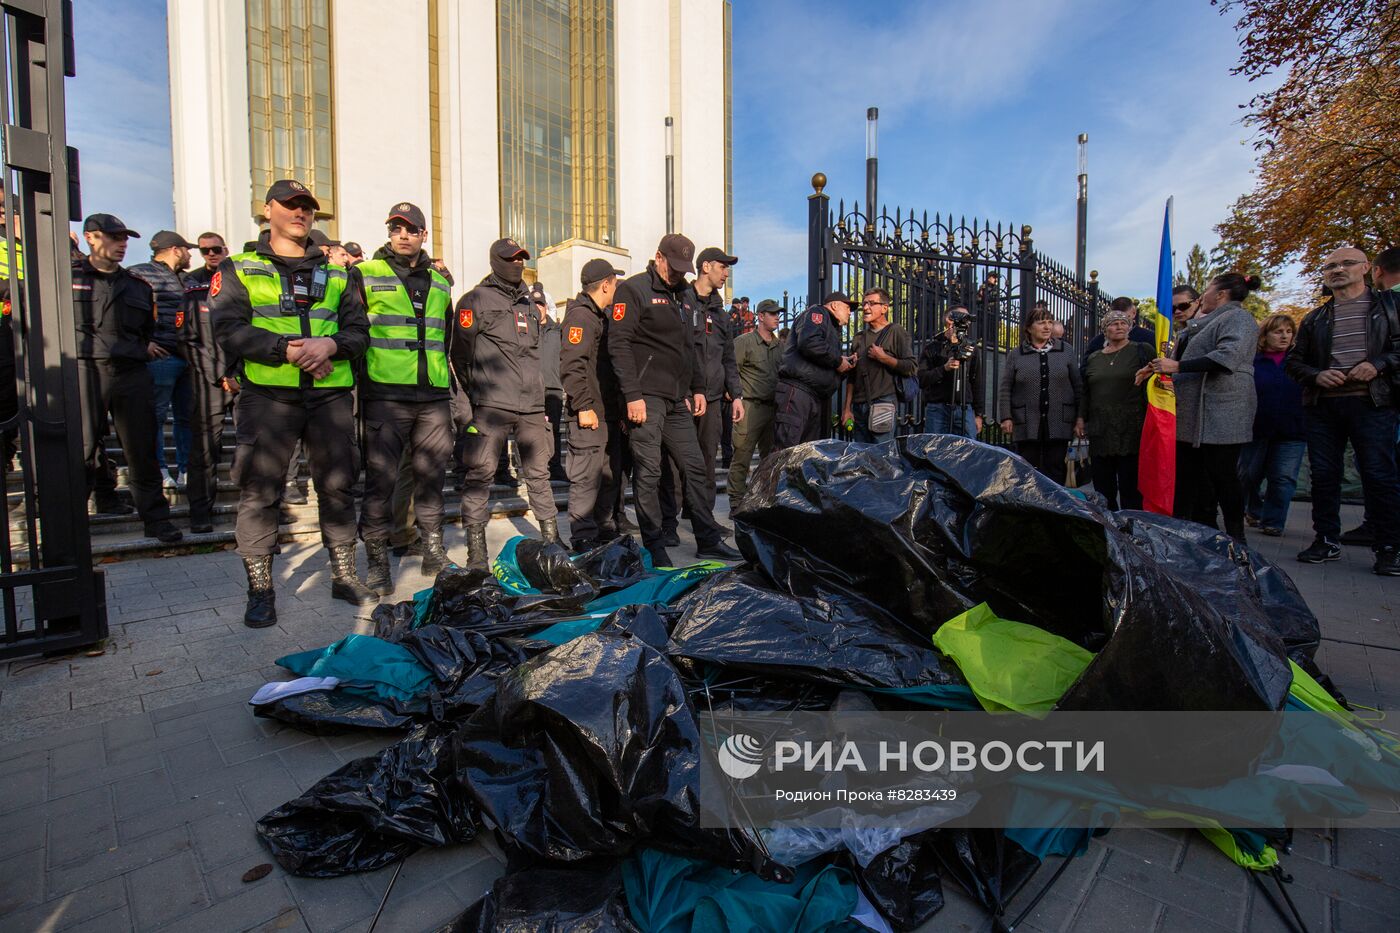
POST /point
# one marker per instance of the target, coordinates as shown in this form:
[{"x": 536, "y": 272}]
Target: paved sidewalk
[{"x": 132, "y": 780}]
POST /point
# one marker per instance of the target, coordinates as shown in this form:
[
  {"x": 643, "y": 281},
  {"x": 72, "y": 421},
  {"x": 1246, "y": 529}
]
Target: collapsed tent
[{"x": 554, "y": 703}]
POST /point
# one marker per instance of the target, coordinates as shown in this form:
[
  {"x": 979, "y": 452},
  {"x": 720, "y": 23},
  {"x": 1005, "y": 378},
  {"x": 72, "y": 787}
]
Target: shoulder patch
[
  {"x": 818, "y": 317},
  {"x": 179, "y": 319},
  {"x": 464, "y": 317},
  {"x": 575, "y": 335},
  {"x": 216, "y": 283},
  {"x": 619, "y": 311}
]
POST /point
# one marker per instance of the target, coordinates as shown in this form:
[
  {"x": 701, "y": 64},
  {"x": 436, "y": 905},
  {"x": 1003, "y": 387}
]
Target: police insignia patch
[
  {"x": 464, "y": 317},
  {"x": 179, "y": 319},
  {"x": 575, "y": 335},
  {"x": 619, "y": 311},
  {"x": 816, "y": 317},
  {"x": 215, "y": 284}
]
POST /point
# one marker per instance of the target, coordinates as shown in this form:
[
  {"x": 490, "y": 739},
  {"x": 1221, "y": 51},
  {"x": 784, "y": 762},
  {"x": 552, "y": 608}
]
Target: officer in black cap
[
  {"x": 115, "y": 315},
  {"x": 654, "y": 342},
  {"x": 496, "y": 357},
  {"x": 404, "y": 395},
  {"x": 595, "y": 409},
  {"x": 295, "y": 325},
  {"x": 807, "y": 376},
  {"x": 551, "y": 336},
  {"x": 722, "y": 389}
]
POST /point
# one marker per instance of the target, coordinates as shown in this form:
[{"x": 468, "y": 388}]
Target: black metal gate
[
  {"x": 930, "y": 266},
  {"x": 52, "y": 597}
]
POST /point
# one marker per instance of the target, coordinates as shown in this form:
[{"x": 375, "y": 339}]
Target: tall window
[
  {"x": 289, "y": 97},
  {"x": 558, "y": 159}
]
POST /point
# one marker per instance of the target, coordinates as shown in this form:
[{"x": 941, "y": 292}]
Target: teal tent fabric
[
  {"x": 673, "y": 894},
  {"x": 938, "y": 696},
  {"x": 365, "y": 665}
]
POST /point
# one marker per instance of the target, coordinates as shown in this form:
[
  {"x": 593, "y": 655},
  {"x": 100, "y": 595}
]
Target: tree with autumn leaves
[{"x": 1328, "y": 134}]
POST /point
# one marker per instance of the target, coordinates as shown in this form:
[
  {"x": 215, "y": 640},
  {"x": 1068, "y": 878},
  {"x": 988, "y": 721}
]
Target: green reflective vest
[
  {"x": 394, "y": 342},
  {"x": 5, "y": 270},
  {"x": 259, "y": 276}
]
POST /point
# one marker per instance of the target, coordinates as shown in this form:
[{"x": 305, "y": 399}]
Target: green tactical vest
[
  {"x": 392, "y": 357},
  {"x": 5, "y": 270},
  {"x": 264, "y": 285}
]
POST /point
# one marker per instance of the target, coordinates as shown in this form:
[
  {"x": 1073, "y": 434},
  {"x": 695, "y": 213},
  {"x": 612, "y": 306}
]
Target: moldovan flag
[{"x": 1157, "y": 453}]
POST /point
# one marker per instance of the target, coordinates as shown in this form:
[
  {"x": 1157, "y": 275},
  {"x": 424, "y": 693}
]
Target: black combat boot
[
  {"x": 549, "y": 531},
  {"x": 261, "y": 611},
  {"x": 434, "y": 554},
  {"x": 477, "y": 558},
  {"x": 345, "y": 584},
  {"x": 378, "y": 578}
]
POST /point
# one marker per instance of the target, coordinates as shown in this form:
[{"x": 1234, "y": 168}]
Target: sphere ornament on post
[{"x": 818, "y": 183}]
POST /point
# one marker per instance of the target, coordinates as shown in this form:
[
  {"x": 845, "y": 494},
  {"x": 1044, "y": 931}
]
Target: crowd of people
[
  {"x": 365, "y": 361},
  {"x": 1251, "y": 399}
]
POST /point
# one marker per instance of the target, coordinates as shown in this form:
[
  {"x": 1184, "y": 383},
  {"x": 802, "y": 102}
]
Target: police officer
[
  {"x": 213, "y": 385},
  {"x": 758, "y": 354},
  {"x": 653, "y": 341},
  {"x": 807, "y": 377},
  {"x": 295, "y": 325},
  {"x": 595, "y": 409},
  {"x": 551, "y": 338},
  {"x": 404, "y": 397},
  {"x": 170, "y": 257},
  {"x": 722, "y": 388},
  {"x": 115, "y": 316},
  {"x": 496, "y": 356}
]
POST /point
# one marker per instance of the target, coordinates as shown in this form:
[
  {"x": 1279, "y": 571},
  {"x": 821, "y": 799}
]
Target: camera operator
[{"x": 951, "y": 377}]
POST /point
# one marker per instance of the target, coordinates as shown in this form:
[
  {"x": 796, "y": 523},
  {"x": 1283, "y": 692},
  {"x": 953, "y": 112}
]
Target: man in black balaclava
[{"x": 496, "y": 356}]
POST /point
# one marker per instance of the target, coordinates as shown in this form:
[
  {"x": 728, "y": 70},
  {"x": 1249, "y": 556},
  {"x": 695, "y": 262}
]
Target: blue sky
[{"x": 980, "y": 105}]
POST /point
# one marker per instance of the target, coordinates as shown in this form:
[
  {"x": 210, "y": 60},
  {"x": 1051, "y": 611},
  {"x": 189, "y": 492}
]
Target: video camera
[{"x": 961, "y": 348}]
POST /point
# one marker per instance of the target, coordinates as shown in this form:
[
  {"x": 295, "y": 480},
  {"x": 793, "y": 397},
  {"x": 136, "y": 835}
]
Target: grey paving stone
[
  {"x": 25, "y": 762},
  {"x": 227, "y": 880},
  {"x": 88, "y": 778},
  {"x": 331, "y": 903},
  {"x": 184, "y": 811},
  {"x": 119, "y": 733},
  {"x": 124, "y": 858},
  {"x": 428, "y": 910},
  {"x": 1175, "y": 920},
  {"x": 21, "y": 882},
  {"x": 308, "y": 762},
  {"x": 166, "y": 890},
  {"x": 1160, "y": 848},
  {"x": 62, "y": 722},
  {"x": 1113, "y": 908},
  {"x": 24, "y": 789},
  {"x": 472, "y": 882},
  {"x": 167, "y": 740},
  {"x": 117, "y": 921},
  {"x": 143, "y": 793},
  {"x": 63, "y": 913},
  {"x": 81, "y": 834},
  {"x": 1369, "y": 854},
  {"x": 1352, "y": 918},
  {"x": 1219, "y": 905},
  {"x": 1342, "y": 885},
  {"x": 225, "y": 838},
  {"x": 1314, "y": 907}
]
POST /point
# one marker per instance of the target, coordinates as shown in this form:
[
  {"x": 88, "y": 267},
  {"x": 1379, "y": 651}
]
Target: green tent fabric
[
  {"x": 673, "y": 894},
  {"x": 365, "y": 665},
  {"x": 1010, "y": 665}
]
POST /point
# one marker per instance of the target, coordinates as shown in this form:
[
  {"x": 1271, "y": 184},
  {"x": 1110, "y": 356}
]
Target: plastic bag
[
  {"x": 328, "y": 712},
  {"x": 735, "y": 621},
  {"x": 551, "y": 900},
  {"x": 372, "y": 811}
]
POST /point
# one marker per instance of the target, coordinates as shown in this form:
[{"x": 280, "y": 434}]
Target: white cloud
[{"x": 772, "y": 256}]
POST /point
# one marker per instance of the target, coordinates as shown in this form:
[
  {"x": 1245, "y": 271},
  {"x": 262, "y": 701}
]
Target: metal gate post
[{"x": 818, "y": 212}]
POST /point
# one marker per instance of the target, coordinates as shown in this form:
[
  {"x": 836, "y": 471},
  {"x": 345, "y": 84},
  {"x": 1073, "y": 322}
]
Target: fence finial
[
  {"x": 818, "y": 182},
  {"x": 1094, "y": 275}
]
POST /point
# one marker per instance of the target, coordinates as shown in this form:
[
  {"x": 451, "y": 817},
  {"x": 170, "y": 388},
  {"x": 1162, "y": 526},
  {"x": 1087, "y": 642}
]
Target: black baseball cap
[
  {"x": 409, "y": 214},
  {"x": 168, "y": 238},
  {"x": 679, "y": 252},
  {"x": 837, "y": 296},
  {"x": 507, "y": 248},
  {"x": 289, "y": 189},
  {"x": 714, "y": 254},
  {"x": 768, "y": 306},
  {"x": 319, "y": 238},
  {"x": 354, "y": 249},
  {"x": 595, "y": 270},
  {"x": 537, "y": 293},
  {"x": 107, "y": 223}
]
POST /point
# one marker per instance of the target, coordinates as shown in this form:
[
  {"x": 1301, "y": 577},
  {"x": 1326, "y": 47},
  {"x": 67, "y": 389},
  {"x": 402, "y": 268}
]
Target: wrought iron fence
[{"x": 930, "y": 265}]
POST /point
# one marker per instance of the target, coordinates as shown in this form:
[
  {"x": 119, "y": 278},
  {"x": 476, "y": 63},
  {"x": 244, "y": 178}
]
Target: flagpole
[{"x": 1171, "y": 227}]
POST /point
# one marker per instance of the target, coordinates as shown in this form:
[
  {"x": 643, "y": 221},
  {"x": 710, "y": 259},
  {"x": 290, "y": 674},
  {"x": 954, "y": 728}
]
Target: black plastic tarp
[{"x": 928, "y": 525}]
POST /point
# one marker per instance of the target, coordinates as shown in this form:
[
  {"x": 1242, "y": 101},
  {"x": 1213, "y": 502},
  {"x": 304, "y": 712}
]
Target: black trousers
[
  {"x": 1207, "y": 475},
  {"x": 1047, "y": 456},
  {"x": 672, "y": 488},
  {"x": 798, "y": 418},
  {"x": 424, "y": 430},
  {"x": 483, "y": 451},
  {"x": 1116, "y": 479},
  {"x": 595, "y": 480},
  {"x": 126, "y": 393},
  {"x": 208, "y": 407},
  {"x": 669, "y": 427},
  {"x": 726, "y": 434},
  {"x": 268, "y": 430},
  {"x": 708, "y": 429},
  {"x": 554, "y": 411}
]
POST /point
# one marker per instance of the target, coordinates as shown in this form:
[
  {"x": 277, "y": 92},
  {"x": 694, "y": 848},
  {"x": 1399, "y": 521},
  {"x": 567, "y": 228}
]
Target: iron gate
[
  {"x": 932, "y": 265},
  {"x": 52, "y": 597}
]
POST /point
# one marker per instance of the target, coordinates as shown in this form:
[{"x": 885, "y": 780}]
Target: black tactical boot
[
  {"x": 378, "y": 578},
  {"x": 477, "y": 558},
  {"x": 262, "y": 598},
  {"x": 434, "y": 554},
  {"x": 549, "y": 531},
  {"x": 345, "y": 584}
]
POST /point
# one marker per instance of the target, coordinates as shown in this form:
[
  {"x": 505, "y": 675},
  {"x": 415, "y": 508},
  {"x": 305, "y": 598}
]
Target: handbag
[
  {"x": 881, "y": 419},
  {"x": 1077, "y": 461}
]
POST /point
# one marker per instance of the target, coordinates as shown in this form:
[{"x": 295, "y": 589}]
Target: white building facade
[{"x": 544, "y": 120}]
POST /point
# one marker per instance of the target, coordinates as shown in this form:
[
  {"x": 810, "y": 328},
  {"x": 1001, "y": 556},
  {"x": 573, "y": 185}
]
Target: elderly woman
[
  {"x": 1212, "y": 370},
  {"x": 1039, "y": 397},
  {"x": 1115, "y": 404},
  {"x": 1277, "y": 450}
]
